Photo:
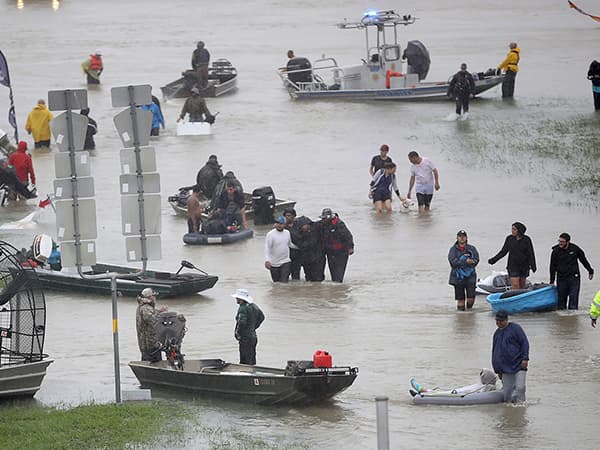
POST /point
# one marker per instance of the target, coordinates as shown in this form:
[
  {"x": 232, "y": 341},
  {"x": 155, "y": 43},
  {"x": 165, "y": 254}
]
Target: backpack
[{"x": 462, "y": 85}]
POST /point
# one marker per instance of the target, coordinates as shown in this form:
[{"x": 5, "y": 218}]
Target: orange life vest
[{"x": 95, "y": 62}]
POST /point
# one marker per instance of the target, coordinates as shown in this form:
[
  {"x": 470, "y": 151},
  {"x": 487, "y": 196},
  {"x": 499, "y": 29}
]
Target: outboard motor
[
  {"x": 170, "y": 331},
  {"x": 263, "y": 204},
  {"x": 417, "y": 58},
  {"x": 299, "y": 63}
]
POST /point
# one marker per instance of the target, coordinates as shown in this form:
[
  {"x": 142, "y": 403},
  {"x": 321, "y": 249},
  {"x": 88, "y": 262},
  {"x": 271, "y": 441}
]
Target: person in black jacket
[
  {"x": 594, "y": 76},
  {"x": 461, "y": 86},
  {"x": 306, "y": 236},
  {"x": 337, "y": 243},
  {"x": 92, "y": 129},
  {"x": 564, "y": 267},
  {"x": 521, "y": 257}
]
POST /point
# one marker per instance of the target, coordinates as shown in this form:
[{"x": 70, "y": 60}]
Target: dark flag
[{"x": 5, "y": 80}]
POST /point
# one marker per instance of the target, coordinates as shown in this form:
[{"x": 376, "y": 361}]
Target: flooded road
[{"x": 394, "y": 317}]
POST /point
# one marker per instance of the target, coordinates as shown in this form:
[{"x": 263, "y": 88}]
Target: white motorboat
[{"x": 383, "y": 75}]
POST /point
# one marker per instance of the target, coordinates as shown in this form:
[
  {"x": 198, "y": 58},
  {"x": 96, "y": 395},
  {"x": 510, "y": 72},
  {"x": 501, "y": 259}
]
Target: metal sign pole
[{"x": 115, "y": 328}]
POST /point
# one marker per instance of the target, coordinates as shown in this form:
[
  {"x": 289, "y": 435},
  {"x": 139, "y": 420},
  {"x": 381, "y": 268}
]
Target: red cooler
[{"x": 321, "y": 358}]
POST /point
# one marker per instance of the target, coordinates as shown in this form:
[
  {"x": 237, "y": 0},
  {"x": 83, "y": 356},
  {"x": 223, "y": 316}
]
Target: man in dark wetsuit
[
  {"x": 337, "y": 243},
  {"x": 196, "y": 107},
  {"x": 92, "y": 129},
  {"x": 461, "y": 86},
  {"x": 229, "y": 177},
  {"x": 200, "y": 60},
  {"x": 209, "y": 176},
  {"x": 594, "y": 76},
  {"x": 231, "y": 205}
]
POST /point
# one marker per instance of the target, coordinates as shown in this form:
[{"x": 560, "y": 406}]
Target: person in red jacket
[{"x": 21, "y": 161}]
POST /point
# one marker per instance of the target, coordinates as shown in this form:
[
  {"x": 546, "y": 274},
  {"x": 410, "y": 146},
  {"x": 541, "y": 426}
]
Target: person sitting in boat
[
  {"x": 23, "y": 165},
  {"x": 209, "y": 176},
  {"x": 232, "y": 206},
  {"x": 229, "y": 177},
  {"x": 196, "y": 107},
  {"x": 487, "y": 382},
  {"x": 145, "y": 319}
]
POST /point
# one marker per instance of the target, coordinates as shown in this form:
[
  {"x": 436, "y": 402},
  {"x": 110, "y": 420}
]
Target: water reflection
[{"x": 55, "y": 3}]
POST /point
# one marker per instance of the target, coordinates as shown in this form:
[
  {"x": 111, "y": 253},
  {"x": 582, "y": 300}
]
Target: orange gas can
[{"x": 321, "y": 358}]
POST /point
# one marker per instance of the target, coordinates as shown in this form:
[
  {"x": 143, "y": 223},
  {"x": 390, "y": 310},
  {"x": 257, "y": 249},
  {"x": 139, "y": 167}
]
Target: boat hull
[
  {"x": 544, "y": 299},
  {"x": 250, "y": 384},
  {"x": 22, "y": 380},
  {"x": 448, "y": 398},
  {"x": 165, "y": 283},
  {"x": 222, "y": 78},
  {"x": 217, "y": 239}
]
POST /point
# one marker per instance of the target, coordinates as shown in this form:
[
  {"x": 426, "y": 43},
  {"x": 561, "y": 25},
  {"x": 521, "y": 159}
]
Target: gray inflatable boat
[{"x": 481, "y": 393}]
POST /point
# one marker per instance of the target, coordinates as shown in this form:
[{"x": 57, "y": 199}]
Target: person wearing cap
[
  {"x": 338, "y": 244},
  {"x": 381, "y": 187},
  {"x": 93, "y": 67},
  {"x": 510, "y": 357},
  {"x": 200, "y": 61},
  {"x": 145, "y": 319},
  {"x": 378, "y": 161},
  {"x": 209, "y": 175},
  {"x": 463, "y": 258},
  {"x": 595, "y": 309},
  {"x": 92, "y": 129},
  {"x": 196, "y": 107},
  {"x": 425, "y": 176},
  {"x": 23, "y": 165},
  {"x": 521, "y": 256},
  {"x": 247, "y": 320},
  {"x": 38, "y": 124},
  {"x": 564, "y": 268},
  {"x": 277, "y": 251},
  {"x": 461, "y": 86}
]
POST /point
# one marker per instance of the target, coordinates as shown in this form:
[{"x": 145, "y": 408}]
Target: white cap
[
  {"x": 149, "y": 292},
  {"x": 98, "y": 52},
  {"x": 243, "y": 294}
]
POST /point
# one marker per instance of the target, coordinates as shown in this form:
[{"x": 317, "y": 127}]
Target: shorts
[
  {"x": 463, "y": 291},
  {"x": 424, "y": 199},
  {"x": 381, "y": 196},
  {"x": 521, "y": 273}
]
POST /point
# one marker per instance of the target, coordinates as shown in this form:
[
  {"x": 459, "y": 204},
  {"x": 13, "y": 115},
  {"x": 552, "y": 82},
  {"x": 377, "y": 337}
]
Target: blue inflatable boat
[
  {"x": 541, "y": 297},
  {"x": 210, "y": 239}
]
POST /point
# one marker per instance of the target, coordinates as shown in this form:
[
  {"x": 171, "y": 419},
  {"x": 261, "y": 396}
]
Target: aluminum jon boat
[
  {"x": 222, "y": 78},
  {"x": 382, "y": 75},
  {"x": 252, "y": 384},
  {"x": 540, "y": 297}
]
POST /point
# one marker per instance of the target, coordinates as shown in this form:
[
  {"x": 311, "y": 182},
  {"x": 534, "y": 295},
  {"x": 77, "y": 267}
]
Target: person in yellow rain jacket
[
  {"x": 38, "y": 124},
  {"x": 595, "y": 309},
  {"x": 511, "y": 67}
]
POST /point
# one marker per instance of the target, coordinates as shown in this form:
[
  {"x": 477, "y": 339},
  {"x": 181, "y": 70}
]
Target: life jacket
[
  {"x": 95, "y": 62},
  {"x": 462, "y": 85}
]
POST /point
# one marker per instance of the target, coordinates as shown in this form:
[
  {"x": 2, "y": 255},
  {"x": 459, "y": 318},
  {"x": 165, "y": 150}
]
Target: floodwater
[{"x": 394, "y": 317}]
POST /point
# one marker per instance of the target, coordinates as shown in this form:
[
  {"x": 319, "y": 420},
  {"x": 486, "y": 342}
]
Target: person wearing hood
[
  {"x": 209, "y": 176},
  {"x": 338, "y": 244},
  {"x": 521, "y": 256},
  {"x": 92, "y": 129},
  {"x": 594, "y": 76},
  {"x": 145, "y": 319},
  {"x": 92, "y": 67},
  {"x": 229, "y": 177},
  {"x": 463, "y": 259},
  {"x": 196, "y": 107},
  {"x": 23, "y": 165},
  {"x": 511, "y": 67},
  {"x": 247, "y": 320},
  {"x": 38, "y": 124},
  {"x": 157, "y": 118}
]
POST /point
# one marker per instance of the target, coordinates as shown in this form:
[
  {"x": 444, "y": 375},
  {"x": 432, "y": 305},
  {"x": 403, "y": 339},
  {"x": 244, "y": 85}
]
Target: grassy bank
[{"x": 130, "y": 425}]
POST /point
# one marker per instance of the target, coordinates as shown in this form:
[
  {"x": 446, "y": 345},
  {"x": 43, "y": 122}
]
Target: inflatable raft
[
  {"x": 210, "y": 239},
  {"x": 481, "y": 393},
  {"x": 541, "y": 297}
]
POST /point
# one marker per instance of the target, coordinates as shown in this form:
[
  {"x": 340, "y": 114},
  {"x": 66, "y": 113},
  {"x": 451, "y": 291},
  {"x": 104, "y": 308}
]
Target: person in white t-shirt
[
  {"x": 277, "y": 251},
  {"x": 425, "y": 175}
]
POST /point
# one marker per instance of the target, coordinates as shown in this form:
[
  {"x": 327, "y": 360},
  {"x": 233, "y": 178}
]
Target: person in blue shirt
[
  {"x": 510, "y": 357},
  {"x": 157, "y": 118}
]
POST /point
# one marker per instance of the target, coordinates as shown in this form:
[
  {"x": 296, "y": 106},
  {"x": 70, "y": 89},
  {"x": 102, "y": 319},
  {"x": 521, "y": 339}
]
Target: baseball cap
[
  {"x": 149, "y": 292},
  {"x": 280, "y": 219},
  {"x": 501, "y": 315}
]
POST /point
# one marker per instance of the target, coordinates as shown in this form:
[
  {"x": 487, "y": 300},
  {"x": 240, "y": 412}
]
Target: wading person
[
  {"x": 38, "y": 124},
  {"x": 145, "y": 321},
  {"x": 378, "y": 161},
  {"x": 463, "y": 258},
  {"x": 157, "y": 118},
  {"x": 92, "y": 67},
  {"x": 594, "y": 76},
  {"x": 248, "y": 318},
  {"x": 510, "y": 357},
  {"x": 564, "y": 268},
  {"x": 338, "y": 245},
  {"x": 381, "y": 187},
  {"x": 510, "y": 65},
  {"x": 460, "y": 88},
  {"x": 195, "y": 209},
  {"x": 277, "y": 251},
  {"x": 196, "y": 107},
  {"x": 521, "y": 257},
  {"x": 92, "y": 129},
  {"x": 425, "y": 176},
  {"x": 595, "y": 309}
]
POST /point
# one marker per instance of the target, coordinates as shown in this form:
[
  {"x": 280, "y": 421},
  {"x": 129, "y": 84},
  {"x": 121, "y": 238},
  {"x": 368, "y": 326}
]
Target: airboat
[
  {"x": 23, "y": 363},
  {"x": 383, "y": 75}
]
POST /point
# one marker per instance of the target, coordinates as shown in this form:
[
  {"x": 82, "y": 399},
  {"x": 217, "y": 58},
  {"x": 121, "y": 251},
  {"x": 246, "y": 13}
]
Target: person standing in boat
[
  {"x": 381, "y": 187},
  {"x": 93, "y": 67},
  {"x": 92, "y": 129},
  {"x": 510, "y": 357},
  {"x": 425, "y": 175},
  {"x": 338, "y": 245},
  {"x": 594, "y": 76},
  {"x": 378, "y": 161},
  {"x": 200, "y": 61},
  {"x": 277, "y": 251},
  {"x": 564, "y": 267},
  {"x": 145, "y": 319},
  {"x": 463, "y": 258},
  {"x": 209, "y": 175},
  {"x": 461, "y": 86},
  {"x": 196, "y": 107},
  {"x": 510, "y": 65},
  {"x": 521, "y": 257},
  {"x": 247, "y": 320},
  {"x": 38, "y": 124}
]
